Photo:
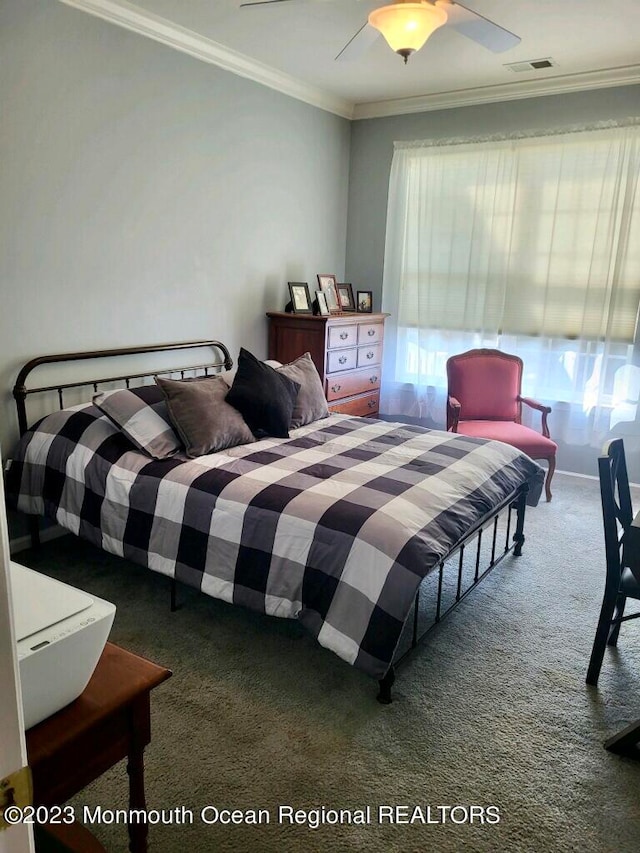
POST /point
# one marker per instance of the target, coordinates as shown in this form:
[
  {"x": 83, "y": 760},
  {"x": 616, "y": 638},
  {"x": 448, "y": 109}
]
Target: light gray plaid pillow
[{"x": 147, "y": 425}]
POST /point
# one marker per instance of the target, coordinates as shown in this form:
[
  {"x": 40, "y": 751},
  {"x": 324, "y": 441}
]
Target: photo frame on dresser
[
  {"x": 345, "y": 297},
  {"x": 321, "y": 299},
  {"x": 327, "y": 284},
  {"x": 300, "y": 298},
  {"x": 364, "y": 301}
]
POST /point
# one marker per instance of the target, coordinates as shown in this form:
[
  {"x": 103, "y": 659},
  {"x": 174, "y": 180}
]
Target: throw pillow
[
  {"x": 311, "y": 404},
  {"x": 146, "y": 424},
  {"x": 205, "y": 422},
  {"x": 264, "y": 397}
]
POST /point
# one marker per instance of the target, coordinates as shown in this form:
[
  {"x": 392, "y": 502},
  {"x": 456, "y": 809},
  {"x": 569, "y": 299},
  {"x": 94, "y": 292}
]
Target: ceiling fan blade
[
  {"x": 261, "y": 2},
  {"x": 477, "y": 28},
  {"x": 360, "y": 42},
  {"x": 243, "y": 3}
]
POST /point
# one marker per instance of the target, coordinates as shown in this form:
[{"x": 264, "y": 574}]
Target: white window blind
[{"x": 536, "y": 236}]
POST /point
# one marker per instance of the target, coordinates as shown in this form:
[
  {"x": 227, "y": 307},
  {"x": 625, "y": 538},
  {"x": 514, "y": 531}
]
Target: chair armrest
[
  {"x": 545, "y": 410},
  {"x": 453, "y": 414}
]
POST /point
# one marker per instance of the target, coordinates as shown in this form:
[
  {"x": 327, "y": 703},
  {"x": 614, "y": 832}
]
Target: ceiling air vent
[{"x": 531, "y": 64}]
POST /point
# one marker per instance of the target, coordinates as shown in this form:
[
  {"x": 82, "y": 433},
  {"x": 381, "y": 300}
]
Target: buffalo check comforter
[{"x": 335, "y": 526}]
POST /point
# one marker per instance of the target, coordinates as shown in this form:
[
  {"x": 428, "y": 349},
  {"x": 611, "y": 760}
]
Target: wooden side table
[
  {"x": 109, "y": 721},
  {"x": 66, "y": 838}
]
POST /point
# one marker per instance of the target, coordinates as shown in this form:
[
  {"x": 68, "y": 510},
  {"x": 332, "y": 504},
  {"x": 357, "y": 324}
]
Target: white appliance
[{"x": 60, "y": 633}]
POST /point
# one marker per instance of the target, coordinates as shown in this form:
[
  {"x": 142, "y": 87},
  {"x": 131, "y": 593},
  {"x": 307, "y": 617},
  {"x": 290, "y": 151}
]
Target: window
[
  {"x": 535, "y": 237},
  {"x": 531, "y": 245}
]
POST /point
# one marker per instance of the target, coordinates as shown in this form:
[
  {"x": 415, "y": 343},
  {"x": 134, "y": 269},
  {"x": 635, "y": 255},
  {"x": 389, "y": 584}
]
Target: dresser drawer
[
  {"x": 342, "y": 359},
  {"x": 370, "y": 333},
  {"x": 365, "y": 406},
  {"x": 352, "y": 383},
  {"x": 342, "y": 336},
  {"x": 369, "y": 355}
]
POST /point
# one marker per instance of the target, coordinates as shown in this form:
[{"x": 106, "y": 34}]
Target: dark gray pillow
[
  {"x": 202, "y": 418},
  {"x": 311, "y": 404},
  {"x": 264, "y": 397}
]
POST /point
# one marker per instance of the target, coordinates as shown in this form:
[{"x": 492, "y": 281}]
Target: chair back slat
[{"x": 617, "y": 511}]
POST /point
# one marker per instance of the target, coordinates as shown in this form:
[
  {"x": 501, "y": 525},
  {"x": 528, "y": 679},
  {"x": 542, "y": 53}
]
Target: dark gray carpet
[{"x": 491, "y": 711}]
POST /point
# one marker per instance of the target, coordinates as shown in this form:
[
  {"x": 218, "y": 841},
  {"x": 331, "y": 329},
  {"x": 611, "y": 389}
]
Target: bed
[{"x": 337, "y": 525}]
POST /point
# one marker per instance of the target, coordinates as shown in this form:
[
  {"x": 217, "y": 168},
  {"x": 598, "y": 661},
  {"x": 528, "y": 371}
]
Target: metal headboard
[{"x": 20, "y": 390}]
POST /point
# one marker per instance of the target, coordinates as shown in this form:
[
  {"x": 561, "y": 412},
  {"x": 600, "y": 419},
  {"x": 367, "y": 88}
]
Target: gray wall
[
  {"x": 146, "y": 196},
  {"x": 372, "y": 152}
]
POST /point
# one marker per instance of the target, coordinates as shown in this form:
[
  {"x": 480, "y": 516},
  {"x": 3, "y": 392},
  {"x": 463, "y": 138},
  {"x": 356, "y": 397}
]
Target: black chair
[{"x": 620, "y": 583}]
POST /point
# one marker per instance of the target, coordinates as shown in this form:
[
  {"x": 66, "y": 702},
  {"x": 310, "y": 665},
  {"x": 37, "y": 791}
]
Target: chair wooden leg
[
  {"x": 547, "y": 483},
  {"x": 626, "y": 742},
  {"x": 617, "y": 614},
  {"x": 600, "y": 640}
]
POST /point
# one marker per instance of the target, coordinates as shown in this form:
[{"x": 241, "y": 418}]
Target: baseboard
[
  {"x": 21, "y": 543},
  {"x": 586, "y": 476},
  {"x": 576, "y": 474}
]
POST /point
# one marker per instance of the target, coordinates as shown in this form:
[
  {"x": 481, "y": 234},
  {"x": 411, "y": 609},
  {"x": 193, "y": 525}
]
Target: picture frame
[
  {"x": 327, "y": 284},
  {"x": 300, "y": 298},
  {"x": 345, "y": 297},
  {"x": 364, "y": 301},
  {"x": 323, "y": 308}
]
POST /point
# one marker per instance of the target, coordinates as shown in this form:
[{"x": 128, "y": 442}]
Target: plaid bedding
[{"x": 335, "y": 526}]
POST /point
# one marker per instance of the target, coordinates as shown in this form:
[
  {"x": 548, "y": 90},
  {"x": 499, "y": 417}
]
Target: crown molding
[
  {"x": 557, "y": 85},
  {"x": 131, "y": 17}
]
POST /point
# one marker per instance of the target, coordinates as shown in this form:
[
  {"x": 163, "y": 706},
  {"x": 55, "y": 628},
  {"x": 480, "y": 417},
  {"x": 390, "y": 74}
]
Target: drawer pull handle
[
  {"x": 336, "y": 388},
  {"x": 370, "y": 354},
  {"x": 344, "y": 336},
  {"x": 343, "y": 359},
  {"x": 371, "y": 332},
  {"x": 371, "y": 404},
  {"x": 373, "y": 379}
]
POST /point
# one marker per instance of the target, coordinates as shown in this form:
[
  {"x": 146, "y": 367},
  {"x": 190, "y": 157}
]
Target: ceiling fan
[{"x": 407, "y": 25}]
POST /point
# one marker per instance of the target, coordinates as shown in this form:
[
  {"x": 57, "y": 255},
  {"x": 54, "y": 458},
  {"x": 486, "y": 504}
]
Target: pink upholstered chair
[{"x": 484, "y": 400}]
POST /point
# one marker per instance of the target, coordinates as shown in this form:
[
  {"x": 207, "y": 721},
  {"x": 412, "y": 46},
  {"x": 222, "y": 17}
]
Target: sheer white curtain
[{"x": 530, "y": 245}]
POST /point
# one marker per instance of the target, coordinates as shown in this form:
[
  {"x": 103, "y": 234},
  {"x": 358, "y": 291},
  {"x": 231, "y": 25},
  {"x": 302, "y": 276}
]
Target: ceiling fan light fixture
[{"x": 407, "y": 26}]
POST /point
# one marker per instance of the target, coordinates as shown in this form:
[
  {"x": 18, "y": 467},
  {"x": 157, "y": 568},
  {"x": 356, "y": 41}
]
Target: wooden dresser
[{"x": 345, "y": 348}]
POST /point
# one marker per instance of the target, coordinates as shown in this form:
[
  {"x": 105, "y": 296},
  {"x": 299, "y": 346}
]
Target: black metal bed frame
[
  {"x": 515, "y": 502},
  {"x": 21, "y": 392}
]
